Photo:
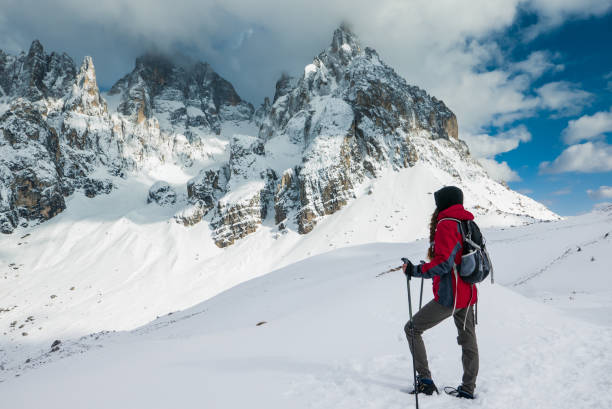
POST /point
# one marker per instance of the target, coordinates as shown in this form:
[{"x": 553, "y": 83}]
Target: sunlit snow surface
[{"x": 332, "y": 336}]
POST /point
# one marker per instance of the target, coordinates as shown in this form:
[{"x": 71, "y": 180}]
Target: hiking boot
[
  {"x": 460, "y": 392},
  {"x": 426, "y": 386}
]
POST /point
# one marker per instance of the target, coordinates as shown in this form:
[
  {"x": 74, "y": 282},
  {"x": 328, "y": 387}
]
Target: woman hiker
[{"x": 452, "y": 296}]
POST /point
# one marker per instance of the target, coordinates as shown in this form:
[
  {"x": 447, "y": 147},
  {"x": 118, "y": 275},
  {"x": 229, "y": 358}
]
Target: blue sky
[
  {"x": 529, "y": 80},
  {"x": 584, "y": 48}
]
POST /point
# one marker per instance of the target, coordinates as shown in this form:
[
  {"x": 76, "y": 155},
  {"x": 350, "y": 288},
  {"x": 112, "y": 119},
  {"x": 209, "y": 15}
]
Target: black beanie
[{"x": 448, "y": 196}]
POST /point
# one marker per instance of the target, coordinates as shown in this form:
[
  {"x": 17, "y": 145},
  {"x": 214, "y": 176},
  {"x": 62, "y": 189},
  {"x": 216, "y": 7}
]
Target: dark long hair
[{"x": 432, "y": 232}]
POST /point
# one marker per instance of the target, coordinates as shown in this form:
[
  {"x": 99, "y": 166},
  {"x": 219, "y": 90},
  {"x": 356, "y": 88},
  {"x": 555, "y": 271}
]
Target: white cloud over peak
[
  {"x": 551, "y": 13},
  {"x": 485, "y": 147},
  {"x": 604, "y": 192},
  {"x": 562, "y": 192},
  {"x": 588, "y": 127},
  {"x": 564, "y": 98},
  {"x": 608, "y": 78},
  {"x": 488, "y": 146},
  {"x": 588, "y": 157},
  {"x": 499, "y": 171},
  {"x": 537, "y": 64}
]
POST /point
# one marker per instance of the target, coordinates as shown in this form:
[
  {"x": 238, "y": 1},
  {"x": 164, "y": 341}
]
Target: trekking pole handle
[{"x": 406, "y": 261}]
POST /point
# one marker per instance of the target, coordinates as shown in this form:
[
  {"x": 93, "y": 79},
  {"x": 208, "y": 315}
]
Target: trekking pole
[
  {"x": 421, "y": 297},
  {"x": 416, "y": 392}
]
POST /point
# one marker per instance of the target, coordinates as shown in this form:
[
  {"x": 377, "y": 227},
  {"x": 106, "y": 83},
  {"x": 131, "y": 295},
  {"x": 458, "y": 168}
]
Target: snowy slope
[
  {"x": 116, "y": 262},
  {"x": 333, "y": 333}
]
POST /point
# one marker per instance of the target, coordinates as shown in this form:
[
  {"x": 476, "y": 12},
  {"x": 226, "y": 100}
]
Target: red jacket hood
[{"x": 456, "y": 212}]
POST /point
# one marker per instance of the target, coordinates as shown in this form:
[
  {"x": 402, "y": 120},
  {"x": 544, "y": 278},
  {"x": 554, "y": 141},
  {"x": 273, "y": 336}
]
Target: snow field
[
  {"x": 331, "y": 337},
  {"x": 115, "y": 263},
  {"x": 333, "y": 333},
  {"x": 121, "y": 254}
]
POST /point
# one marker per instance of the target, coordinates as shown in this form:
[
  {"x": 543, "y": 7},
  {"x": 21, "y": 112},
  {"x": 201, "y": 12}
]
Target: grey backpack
[{"x": 475, "y": 261}]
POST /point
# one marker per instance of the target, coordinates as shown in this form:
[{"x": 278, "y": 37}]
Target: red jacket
[{"x": 447, "y": 252}]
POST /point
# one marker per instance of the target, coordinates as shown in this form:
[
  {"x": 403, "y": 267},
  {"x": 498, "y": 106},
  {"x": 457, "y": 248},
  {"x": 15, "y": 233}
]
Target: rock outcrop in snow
[
  {"x": 161, "y": 193},
  {"x": 30, "y": 167},
  {"x": 53, "y": 135}
]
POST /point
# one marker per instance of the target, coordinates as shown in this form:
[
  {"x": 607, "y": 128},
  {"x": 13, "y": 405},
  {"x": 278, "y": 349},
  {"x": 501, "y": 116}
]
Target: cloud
[
  {"x": 551, "y": 13},
  {"x": 589, "y": 157},
  {"x": 564, "y": 98},
  {"x": 588, "y": 127},
  {"x": 537, "y": 64},
  {"x": 603, "y": 206},
  {"x": 487, "y": 146},
  {"x": 499, "y": 171},
  {"x": 608, "y": 78},
  {"x": 604, "y": 192},
  {"x": 448, "y": 50},
  {"x": 562, "y": 192},
  {"x": 525, "y": 191},
  {"x": 243, "y": 37}
]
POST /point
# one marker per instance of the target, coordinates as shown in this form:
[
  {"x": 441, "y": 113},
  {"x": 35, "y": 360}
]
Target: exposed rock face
[
  {"x": 70, "y": 132},
  {"x": 88, "y": 133},
  {"x": 235, "y": 196},
  {"x": 345, "y": 119},
  {"x": 204, "y": 191},
  {"x": 242, "y": 209},
  {"x": 30, "y": 172},
  {"x": 186, "y": 98},
  {"x": 84, "y": 97},
  {"x": 54, "y": 134},
  {"x": 36, "y": 75},
  {"x": 161, "y": 193}
]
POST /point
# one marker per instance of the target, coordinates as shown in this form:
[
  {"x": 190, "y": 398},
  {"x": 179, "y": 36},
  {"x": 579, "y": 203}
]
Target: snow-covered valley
[{"x": 330, "y": 330}]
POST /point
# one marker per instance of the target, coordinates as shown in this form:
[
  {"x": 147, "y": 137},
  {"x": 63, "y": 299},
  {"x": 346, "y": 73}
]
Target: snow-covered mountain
[
  {"x": 170, "y": 189},
  {"x": 346, "y": 121},
  {"x": 327, "y": 332},
  {"x": 169, "y": 192},
  {"x": 57, "y": 134}
]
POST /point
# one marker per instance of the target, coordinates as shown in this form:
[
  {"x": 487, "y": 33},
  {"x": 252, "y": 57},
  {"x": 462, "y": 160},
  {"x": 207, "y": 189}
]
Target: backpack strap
[
  {"x": 455, "y": 220},
  {"x": 467, "y": 238}
]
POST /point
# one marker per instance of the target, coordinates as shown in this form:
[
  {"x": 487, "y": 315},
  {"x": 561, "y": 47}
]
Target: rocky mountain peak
[
  {"x": 350, "y": 116},
  {"x": 345, "y": 41},
  {"x": 36, "y": 50},
  {"x": 36, "y": 75},
  {"x": 187, "y": 97},
  {"x": 156, "y": 70},
  {"x": 84, "y": 97},
  {"x": 284, "y": 85}
]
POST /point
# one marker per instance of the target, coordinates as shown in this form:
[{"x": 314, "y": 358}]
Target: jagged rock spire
[
  {"x": 191, "y": 94},
  {"x": 36, "y": 49},
  {"x": 36, "y": 75},
  {"x": 84, "y": 97},
  {"x": 345, "y": 40}
]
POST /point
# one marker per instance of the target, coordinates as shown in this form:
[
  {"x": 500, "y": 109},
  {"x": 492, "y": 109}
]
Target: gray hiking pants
[{"x": 431, "y": 315}]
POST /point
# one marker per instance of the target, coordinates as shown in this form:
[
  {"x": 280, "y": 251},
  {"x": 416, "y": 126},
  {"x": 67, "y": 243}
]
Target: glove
[{"x": 408, "y": 267}]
